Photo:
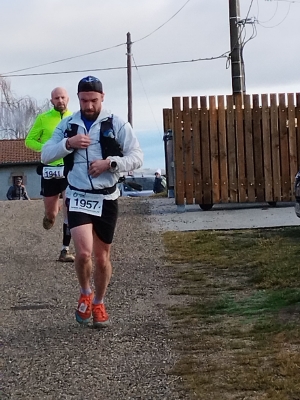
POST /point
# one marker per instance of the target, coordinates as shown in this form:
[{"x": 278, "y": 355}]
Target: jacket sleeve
[
  {"x": 55, "y": 148},
  {"x": 32, "y": 140},
  {"x": 25, "y": 195},
  {"x": 132, "y": 153},
  {"x": 9, "y": 193}
]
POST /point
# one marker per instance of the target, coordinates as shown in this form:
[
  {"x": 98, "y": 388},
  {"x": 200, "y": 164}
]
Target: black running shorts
[
  {"x": 53, "y": 187},
  {"x": 103, "y": 226}
]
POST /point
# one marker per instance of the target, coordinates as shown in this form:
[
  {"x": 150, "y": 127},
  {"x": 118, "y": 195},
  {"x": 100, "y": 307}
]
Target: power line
[
  {"x": 249, "y": 10},
  {"x": 65, "y": 59},
  {"x": 224, "y": 55},
  {"x": 268, "y": 20},
  {"x": 162, "y": 24},
  {"x": 285, "y": 17},
  {"x": 96, "y": 51},
  {"x": 243, "y": 23},
  {"x": 286, "y": 1},
  {"x": 136, "y": 67},
  {"x": 60, "y": 72}
]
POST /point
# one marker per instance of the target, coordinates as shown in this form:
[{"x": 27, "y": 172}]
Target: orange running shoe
[
  {"x": 100, "y": 316},
  {"x": 84, "y": 308}
]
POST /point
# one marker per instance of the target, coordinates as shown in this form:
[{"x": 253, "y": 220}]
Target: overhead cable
[
  {"x": 224, "y": 55},
  {"x": 279, "y": 23},
  {"x": 96, "y": 51},
  {"x": 143, "y": 86},
  {"x": 155, "y": 30},
  {"x": 66, "y": 59}
]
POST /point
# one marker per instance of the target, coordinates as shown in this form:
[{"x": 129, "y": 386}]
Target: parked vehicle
[{"x": 145, "y": 182}]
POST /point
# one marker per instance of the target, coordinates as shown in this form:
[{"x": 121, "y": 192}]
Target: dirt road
[{"x": 45, "y": 353}]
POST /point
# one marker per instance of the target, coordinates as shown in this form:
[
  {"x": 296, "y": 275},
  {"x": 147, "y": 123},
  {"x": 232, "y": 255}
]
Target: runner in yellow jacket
[{"x": 53, "y": 181}]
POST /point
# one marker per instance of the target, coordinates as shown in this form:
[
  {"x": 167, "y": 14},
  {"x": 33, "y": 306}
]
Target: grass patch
[{"x": 237, "y": 327}]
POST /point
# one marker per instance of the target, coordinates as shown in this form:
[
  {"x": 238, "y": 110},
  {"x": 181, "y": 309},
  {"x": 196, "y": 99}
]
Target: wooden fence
[{"x": 229, "y": 149}]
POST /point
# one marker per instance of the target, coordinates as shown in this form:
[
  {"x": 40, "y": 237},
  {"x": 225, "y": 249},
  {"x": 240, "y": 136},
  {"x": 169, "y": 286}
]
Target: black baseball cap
[{"x": 90, "y": 84}]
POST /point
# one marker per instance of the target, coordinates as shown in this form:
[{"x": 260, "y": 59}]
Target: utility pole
[
  {"x": 237, "y": 69},
  {"x": 129, "y": 78}
]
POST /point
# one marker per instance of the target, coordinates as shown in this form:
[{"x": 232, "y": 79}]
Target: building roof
[{"x": 13, "y": 151}]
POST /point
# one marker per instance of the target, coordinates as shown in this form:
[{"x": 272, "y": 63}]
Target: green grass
[{"x": 236, "y": 327}]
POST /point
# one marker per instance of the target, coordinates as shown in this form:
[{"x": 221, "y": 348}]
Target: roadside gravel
[{"x": 45, "y": 353}]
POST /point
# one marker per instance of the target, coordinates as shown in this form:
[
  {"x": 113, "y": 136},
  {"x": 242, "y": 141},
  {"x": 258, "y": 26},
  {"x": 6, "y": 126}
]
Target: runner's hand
[
  {"x": 97, "y": 167},
  {"x": 80, "y": 141}
]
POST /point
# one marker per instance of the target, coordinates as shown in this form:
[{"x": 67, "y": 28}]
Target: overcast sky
[{"x": 35, "y": 32}]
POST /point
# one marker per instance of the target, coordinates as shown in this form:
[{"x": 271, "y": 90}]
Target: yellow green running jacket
[{"x": 43, "y": 129}]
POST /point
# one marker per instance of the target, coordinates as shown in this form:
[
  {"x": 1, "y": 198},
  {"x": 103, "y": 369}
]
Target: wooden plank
[
  {"x": 284, "y": 149},
  {"x": 292, "y": 142},
  {"x": 258, "y": 144},
  {"x": 178, "y": 151},
  {"x": 231, "y": 146},
  {"x": 240, "y": 148},
  {"x": 214, "y": 149},
  {"x": 197, "y": 151},
  {"x": 223, "y": 149},
  {"x": 249, "y": 149},
  {"x": 188, "y": 152},
  {"x": 205, "y": 151},
  {"x": 267, "y": 155},
  {"x": 275, "y": 148}
]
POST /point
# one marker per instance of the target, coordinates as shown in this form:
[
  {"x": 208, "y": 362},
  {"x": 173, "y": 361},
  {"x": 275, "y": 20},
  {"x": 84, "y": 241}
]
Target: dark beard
[
  {"x": 90, "y": 117},
  {"x": 60, "y": 108}
]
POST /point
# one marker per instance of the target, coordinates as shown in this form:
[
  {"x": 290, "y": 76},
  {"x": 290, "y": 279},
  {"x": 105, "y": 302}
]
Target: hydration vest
[{"x": 109, "y": 145}]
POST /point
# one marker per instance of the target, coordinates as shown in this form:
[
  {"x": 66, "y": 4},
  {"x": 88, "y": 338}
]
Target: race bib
[
  {"x": 88, "y": 203},
  {"x": 53, "y": 172}
]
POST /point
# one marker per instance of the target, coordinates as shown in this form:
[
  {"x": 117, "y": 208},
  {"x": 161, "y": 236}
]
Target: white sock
[{"x": 96, "y": 301}]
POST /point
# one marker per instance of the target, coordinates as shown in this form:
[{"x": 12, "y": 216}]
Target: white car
[{"x": 145, "y": 183}]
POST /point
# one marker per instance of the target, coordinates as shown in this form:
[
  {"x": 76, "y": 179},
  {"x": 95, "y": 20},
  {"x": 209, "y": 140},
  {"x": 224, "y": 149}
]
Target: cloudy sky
[{"x": 35, "y": 35}]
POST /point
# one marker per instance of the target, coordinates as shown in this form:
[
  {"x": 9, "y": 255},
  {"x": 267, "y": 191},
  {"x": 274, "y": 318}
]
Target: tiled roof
[{"x": 13, "y": 151}]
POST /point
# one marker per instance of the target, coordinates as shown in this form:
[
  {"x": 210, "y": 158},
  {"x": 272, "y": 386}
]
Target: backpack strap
[
  {"x": 71, "y": 132},
  {"x": 108, "y": 143},
  {"x": 69, "y": 159}
]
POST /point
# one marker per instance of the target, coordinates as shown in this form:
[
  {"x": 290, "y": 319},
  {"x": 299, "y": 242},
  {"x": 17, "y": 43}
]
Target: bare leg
[
  {"x": 51, "y": 207},
  {"x": 83, "y": 241},
  {"x": 103, "y": 268}
]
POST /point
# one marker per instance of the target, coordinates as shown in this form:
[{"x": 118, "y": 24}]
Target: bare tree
[{"x": 17, "y": 115}]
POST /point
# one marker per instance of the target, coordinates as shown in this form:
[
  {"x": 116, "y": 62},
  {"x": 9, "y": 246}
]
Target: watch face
[{"x": 113, "y": 164}]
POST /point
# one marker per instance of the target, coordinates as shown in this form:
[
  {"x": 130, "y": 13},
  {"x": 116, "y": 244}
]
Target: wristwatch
[{"x": 113, "y": 164}]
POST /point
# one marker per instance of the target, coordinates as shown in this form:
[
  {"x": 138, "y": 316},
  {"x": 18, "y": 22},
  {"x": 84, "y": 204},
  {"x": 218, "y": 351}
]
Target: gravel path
[{"x": 45, "y": 353}]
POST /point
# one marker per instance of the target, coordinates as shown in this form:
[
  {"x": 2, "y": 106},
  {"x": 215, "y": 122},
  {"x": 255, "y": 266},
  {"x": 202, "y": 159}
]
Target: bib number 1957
[{"x": 88, "y": 203}]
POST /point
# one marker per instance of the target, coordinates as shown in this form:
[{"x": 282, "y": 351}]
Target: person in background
[
  {"x": 297, "y": 194},
  {"x": 53, "y": 181},
  {"x": 159, "y": 184},
  {"x": 17, "y": 191},
  {"x": 103, "y": 146}
]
